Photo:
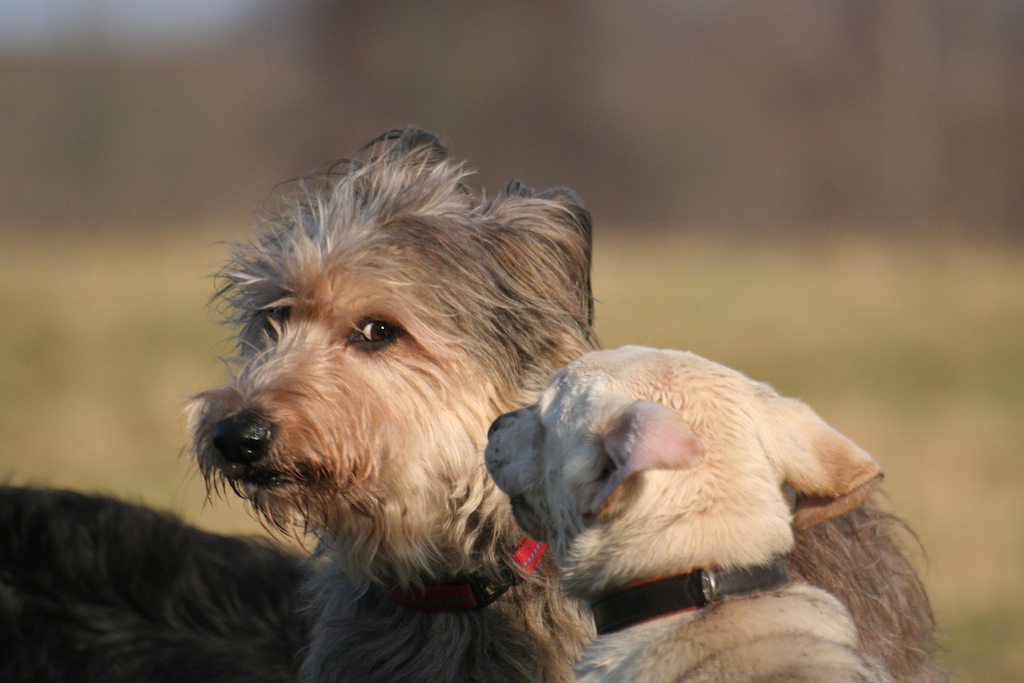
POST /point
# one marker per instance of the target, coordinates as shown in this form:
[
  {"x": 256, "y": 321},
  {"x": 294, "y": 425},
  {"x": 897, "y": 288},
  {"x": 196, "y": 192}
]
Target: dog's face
[
  {"x": 339, "y": 375},
  {"x": 637, "y": 463},
  {"x": 384, "y": 324}
]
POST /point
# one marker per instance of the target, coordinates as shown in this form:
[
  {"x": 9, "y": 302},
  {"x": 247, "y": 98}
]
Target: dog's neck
[{"x": 454, "y": 530}]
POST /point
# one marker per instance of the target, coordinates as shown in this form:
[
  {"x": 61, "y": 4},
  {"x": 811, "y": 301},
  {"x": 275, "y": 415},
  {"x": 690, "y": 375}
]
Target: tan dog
[{"x": 660, "y": 481}]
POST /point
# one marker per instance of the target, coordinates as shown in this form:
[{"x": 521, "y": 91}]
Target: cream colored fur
[{"x": 639, "y": 463}]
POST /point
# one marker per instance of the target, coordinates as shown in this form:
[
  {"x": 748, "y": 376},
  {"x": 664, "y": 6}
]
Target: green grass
[{"x": 914, "y": 350}]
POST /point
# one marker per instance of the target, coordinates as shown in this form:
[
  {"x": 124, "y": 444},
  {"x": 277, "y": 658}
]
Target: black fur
[{"x": 93, "y": 589}]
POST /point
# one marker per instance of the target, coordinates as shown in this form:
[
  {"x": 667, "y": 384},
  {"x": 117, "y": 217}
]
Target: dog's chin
[
  {"x": 253, "y": 478},
  {"x": 262, "y": 475},
  {"x": 258, "y": 485}
]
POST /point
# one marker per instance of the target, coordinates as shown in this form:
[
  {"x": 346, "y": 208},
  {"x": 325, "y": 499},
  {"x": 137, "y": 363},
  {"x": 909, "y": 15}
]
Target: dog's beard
[{"x": 291, "y": 504}]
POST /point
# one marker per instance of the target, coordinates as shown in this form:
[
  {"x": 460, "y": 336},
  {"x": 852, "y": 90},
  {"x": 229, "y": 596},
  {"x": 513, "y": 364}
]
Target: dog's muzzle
[{"x": 243, "y": 439}]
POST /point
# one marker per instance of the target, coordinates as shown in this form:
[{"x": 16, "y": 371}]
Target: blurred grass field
[{"x": 913, "y": 349}]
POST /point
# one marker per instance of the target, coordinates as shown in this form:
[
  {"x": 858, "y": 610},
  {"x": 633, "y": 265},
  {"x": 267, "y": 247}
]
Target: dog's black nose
[{"x": 243, "y": 438}]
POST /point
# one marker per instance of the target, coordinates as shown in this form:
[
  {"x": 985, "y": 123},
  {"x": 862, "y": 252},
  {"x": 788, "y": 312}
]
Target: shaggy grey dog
[{"x": 386, "y": 318}]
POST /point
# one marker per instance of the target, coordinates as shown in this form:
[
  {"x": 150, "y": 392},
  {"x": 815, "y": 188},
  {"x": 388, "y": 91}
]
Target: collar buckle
[{"x": 717, "y": 583}]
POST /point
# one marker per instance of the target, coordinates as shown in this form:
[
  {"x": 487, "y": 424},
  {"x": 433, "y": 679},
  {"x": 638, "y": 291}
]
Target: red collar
[{"x": 468, "y": 592}]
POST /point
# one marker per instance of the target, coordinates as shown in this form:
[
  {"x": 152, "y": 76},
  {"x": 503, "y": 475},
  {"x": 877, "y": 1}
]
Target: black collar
[{"x": 695, "y": 588}]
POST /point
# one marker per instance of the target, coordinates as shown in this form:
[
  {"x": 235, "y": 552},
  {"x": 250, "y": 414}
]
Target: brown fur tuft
[{"x": 861, "y": 558}]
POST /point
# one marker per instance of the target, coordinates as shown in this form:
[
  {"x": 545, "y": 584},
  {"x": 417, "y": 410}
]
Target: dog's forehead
[
  {"x": 574, "y": 393},
  {"x": 642, "y": 373},
  {"x": 583, "y": 396},
  {"x": 630, "y": 372}
]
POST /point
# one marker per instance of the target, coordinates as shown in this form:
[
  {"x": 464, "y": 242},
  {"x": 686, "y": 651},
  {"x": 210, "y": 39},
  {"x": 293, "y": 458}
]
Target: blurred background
[{"x": 825, "y": 194}]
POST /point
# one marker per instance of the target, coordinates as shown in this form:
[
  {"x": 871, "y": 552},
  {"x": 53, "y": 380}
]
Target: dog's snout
[{"x": 243, "y": 438}]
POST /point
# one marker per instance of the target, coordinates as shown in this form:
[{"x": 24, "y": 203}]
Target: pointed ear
[
  {"x": 541, "y": 252},
  {"x": 830, "y": 473},
  {"x": 559, "y": 230},
  {"x": 643, "y": 436}
]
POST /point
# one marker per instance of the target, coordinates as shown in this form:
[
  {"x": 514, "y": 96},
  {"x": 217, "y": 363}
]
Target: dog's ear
[
  {"x": 564, "y": 228},
  {"x": 830, "y": 473},
  {"x": 642, "y": 436},
  {"x": 578, "y": 221},
  {"x": 541, "y": 253}
]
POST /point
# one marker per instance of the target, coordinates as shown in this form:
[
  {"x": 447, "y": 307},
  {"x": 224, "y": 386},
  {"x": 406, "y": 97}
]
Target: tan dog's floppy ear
[
  {"x": 643, "y": 436},
  {"x": 830, "y": 473}
]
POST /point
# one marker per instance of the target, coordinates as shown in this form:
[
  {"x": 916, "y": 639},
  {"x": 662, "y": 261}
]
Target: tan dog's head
[{"x": 637, "y": 463}]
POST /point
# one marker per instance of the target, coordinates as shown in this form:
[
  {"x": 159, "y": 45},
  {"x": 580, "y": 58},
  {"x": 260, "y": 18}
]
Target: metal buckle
[
  {"x": 484, "y": 591},
  {"x": 709, "y": 585},
  {"x": 487, "y": 592}
]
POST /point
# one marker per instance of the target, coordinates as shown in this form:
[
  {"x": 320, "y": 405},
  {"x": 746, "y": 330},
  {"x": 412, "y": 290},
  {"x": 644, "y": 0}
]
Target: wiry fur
[
  {"x": 636, "y": 464},
  {"x": 377, "y": 447},
  {"x": 381, "y": 455},
  {"x": 859, "y": 557}
]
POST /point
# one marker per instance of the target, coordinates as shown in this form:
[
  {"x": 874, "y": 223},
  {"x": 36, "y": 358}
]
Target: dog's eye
[{"x": 376, "y": 332}]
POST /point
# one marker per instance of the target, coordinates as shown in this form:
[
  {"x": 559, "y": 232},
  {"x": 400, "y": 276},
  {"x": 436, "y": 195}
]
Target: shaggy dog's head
[{"x": 385, "y": 317}]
